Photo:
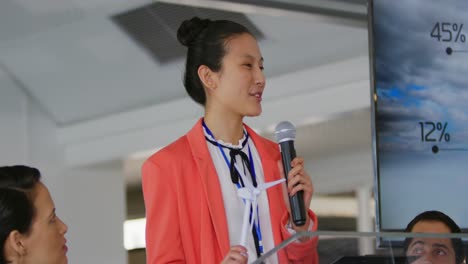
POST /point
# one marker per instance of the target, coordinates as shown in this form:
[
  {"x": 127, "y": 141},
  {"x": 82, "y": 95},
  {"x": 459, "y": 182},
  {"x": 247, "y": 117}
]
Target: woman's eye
[
  {"x": 248, "y": 65},
  {"x": 262, "y": 68},
  {"x": 53, "y": 219}
]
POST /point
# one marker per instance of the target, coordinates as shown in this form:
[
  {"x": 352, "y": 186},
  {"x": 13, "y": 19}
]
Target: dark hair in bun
[
  {"x": 206, "y": 40},
  {"x": 189, "y": 30}
]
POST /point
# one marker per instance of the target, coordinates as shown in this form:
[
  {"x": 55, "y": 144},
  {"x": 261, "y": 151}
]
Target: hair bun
[{"x": 189, "y": 30}]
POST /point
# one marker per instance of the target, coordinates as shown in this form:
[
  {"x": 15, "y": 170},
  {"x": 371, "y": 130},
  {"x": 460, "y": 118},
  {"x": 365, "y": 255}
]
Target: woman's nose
[
  {"x": 64, "y": 226},
  {"x": 260, "y": 79}
]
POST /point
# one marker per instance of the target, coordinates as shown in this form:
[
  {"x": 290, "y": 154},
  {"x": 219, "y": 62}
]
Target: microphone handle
[{"x": 296, "y": 202}]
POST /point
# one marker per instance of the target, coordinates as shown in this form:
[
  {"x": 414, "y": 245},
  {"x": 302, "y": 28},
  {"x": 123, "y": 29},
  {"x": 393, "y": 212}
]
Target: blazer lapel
[
  {"x": 269, "y": 155},
  {"x": 211, "y": 185}
]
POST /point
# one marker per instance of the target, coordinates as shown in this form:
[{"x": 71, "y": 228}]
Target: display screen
[{"x": 419, "y": 65}]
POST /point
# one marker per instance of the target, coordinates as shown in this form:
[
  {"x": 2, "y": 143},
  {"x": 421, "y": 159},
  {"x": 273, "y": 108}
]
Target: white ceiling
[
  {"x": 83, "y": 70},
  {"x": 79, "y": 65}
]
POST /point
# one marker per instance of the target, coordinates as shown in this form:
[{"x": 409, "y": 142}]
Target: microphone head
[{"x": 285, "y": 131}]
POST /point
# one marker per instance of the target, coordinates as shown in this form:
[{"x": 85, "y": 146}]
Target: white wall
[
  {"x": 44, "y": 153},
  {"x": 95, "y": 214},
  {"x": 13, "y": 135},
  {"x": 90, "y": 200}
]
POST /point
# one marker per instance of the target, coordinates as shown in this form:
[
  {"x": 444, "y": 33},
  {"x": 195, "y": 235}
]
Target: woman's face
[
  {"x": 240, "y": 82},
  {"x": 45, "y": 243}
]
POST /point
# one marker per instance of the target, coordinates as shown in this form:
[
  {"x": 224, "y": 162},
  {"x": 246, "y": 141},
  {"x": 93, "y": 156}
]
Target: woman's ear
[
  {"x": 207, "y": 77},
  {"x": 14, "y": 244}
]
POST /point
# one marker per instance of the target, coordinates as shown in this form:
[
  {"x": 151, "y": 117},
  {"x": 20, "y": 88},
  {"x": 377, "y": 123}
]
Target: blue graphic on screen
[{"x": 421, "y": 82}]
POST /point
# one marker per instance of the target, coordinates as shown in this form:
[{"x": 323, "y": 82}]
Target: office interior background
[{"x": 89, "y": 89}]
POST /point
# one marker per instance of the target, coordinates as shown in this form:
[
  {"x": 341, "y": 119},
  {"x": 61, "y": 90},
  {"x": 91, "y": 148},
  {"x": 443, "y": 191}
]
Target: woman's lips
[{"x": 257, "y": 95}]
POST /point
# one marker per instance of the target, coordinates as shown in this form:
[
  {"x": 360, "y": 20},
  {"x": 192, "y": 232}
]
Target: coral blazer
[{"x": 185, "y": 216}]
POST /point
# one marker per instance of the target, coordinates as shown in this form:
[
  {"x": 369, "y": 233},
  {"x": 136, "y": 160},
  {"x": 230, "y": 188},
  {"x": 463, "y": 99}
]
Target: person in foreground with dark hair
[
  {"x": 193, "y": 211},
  {"x": 30, "y": 232},
  {"x": 434, "y": 250}
]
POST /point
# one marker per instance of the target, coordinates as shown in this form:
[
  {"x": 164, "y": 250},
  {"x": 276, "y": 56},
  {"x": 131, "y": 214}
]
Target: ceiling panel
[
  {"x": 154, "y": 26},
  {"x": 19, "y": 18},
  {"x": 80, "y": 66}
]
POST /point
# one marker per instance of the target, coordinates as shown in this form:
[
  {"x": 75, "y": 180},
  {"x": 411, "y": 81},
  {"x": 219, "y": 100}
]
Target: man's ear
[
  {"x": 14, "y": 244},
  {"x": 207, "y": 77}
]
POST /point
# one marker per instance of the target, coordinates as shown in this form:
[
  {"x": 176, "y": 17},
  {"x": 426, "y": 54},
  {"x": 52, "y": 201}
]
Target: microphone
[{"x": 285, "y": 134}]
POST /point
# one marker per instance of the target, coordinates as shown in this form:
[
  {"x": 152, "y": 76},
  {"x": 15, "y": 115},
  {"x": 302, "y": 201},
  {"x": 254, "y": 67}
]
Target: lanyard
[{"x": 256, "y": 224}]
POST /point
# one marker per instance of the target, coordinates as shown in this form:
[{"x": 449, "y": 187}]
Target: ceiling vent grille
[{"x": 154, "y": 27}]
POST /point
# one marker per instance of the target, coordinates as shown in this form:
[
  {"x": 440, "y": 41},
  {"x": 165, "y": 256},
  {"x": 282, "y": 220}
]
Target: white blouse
[{"x": 234, "y": 205}]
